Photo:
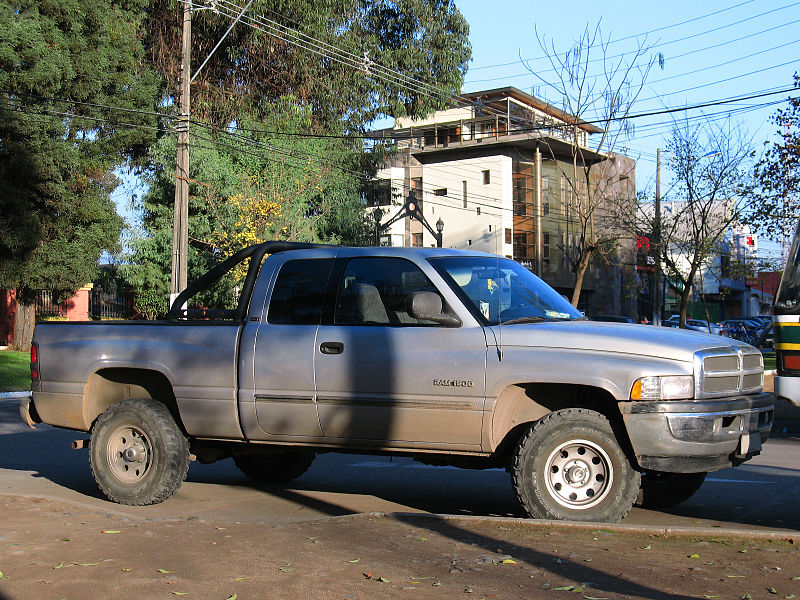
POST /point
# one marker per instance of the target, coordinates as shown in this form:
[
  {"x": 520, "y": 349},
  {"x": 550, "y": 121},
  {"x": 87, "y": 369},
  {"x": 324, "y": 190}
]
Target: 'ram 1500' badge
[{"x": 453, "y": 383}]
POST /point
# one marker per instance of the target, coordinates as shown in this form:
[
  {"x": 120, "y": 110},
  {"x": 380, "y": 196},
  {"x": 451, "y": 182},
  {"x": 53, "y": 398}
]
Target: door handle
[{"x": 331, "y": 347}]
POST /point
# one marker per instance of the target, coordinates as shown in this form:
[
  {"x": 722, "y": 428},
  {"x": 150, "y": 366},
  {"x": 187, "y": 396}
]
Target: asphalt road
[{"x": 761, "y": 493}]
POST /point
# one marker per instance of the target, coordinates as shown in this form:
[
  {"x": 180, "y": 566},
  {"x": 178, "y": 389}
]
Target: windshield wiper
[{"x": 531, "y": 319}]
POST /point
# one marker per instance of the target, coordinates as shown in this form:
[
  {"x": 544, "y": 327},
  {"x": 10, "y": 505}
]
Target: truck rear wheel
[
  {"x": 569, "y": 466},
  {"x": 137, "y": 453},
  {"x": 661, "y": 490},
  {"x": 275, "y": 467}
]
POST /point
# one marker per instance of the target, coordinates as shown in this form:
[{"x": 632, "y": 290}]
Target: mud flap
[{"x": 27, "y": 411}]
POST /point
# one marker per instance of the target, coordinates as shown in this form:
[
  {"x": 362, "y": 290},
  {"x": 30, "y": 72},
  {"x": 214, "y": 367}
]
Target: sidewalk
[{"x": 53, "y": 550}]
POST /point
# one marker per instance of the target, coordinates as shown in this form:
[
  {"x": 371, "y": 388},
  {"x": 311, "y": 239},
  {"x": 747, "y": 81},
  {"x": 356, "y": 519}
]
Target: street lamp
[{"x": 439, "y": 229}]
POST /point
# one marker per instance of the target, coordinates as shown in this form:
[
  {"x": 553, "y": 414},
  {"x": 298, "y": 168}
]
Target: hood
[{"x": 642, "y": 340}]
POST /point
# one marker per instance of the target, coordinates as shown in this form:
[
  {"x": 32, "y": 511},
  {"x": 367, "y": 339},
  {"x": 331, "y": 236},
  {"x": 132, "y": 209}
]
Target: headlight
[{"x": 673, "y": 387}]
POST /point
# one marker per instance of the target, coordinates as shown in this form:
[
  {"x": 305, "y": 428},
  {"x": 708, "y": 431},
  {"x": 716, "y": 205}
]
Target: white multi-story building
[{"x": 496, "y": 174}]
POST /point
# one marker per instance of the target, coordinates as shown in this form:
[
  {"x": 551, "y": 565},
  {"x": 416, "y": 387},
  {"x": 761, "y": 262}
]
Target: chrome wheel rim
[
  {"x": 578, "y": 474},
  {"x": 129, "y": 453}
]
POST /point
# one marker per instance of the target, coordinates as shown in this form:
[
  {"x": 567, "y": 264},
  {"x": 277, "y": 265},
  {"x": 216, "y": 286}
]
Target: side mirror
[{"x": 428, "y": 306}]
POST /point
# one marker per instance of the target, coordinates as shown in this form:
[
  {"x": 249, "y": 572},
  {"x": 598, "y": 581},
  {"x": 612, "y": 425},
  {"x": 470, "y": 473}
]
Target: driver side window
[{"x": 374, "y": 291}]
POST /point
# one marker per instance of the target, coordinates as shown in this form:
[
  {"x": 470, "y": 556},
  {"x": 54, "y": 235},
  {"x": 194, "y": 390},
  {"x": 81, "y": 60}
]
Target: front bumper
[{"x": 698, "y": 435}]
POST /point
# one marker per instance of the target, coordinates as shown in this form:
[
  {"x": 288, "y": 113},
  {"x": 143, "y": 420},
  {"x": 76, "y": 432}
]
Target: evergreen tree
[{"x": 59, "y": 60}]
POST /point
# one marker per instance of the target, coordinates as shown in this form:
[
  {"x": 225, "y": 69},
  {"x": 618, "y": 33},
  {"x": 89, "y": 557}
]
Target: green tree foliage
[
  {"x": 424, "y": 42},
  {"x": 249, "y": 186},
  {"x": 58, "y": 60},
  {"x": 257, "y": 171},
  {"x": 777, "y": 175}
]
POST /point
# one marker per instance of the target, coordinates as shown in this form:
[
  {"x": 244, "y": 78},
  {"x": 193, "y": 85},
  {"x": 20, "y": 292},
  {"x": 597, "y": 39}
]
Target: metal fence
[
  {"x": 46, "y": 306},
  {"x": 117, "y": 304}
]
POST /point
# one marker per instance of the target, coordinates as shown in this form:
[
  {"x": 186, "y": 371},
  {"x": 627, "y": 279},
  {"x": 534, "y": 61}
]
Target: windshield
[
  {"x": 503, "y": 291},
  {"x": 788, "y": 298}
]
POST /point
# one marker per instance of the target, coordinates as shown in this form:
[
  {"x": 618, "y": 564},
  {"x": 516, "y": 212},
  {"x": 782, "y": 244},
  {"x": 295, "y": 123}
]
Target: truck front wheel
[
  {"x": 661, "y": 490},
  {"x": 137, "y": 453},
  {"x": 277, "y": 467},
  {"x": 569, "y": 466}
]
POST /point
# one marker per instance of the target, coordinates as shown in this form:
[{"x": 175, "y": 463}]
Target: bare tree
[
  {"x": 595, "y": 88},
  {"x": 709, "y": 194}
]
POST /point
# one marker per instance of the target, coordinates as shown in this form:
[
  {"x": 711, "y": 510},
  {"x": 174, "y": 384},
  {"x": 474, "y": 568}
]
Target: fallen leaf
[
  {"x": 711, "y": 595},
  {"x": 508, "y": 561},
  {"x": 772, "y": 590},
  {"x": 61, "y": 565},
  {"x": 221, "y": 528},
  {"x": 286, "y": 568},
  {"x": 736, "y": 575},
  {"x": 789, "y": 596},
  {"x": 179, "y": 593},
  {"x": 239, "y": 578},
  {"x": 694, "y": 556},
  {"x": 368, "y": 575},
  {"x": 164, "y": 571},
  {"x": 125, "y": 570},
  {"x": 110, "y": 531},
  {"x": 354, "y": 561},
  {"x": 746, "y": 597},
  {"x": 795, "y": 578},
  {"x": 593, "y": 597},
  {"x": 563, "y": 588},
  {"x": 438, "y": 583},
  {"x": 89, "y": 564},
  {"x": 647, "y": 547},
  {"x": 384, "y": 580},
  {"x": 1, "y": 575},
  {"x": 64, "y": 539},
  {"x": 232, "y": 597},
  {"x": 422, "y": 539},
  {"x": 420, "y": 578}
]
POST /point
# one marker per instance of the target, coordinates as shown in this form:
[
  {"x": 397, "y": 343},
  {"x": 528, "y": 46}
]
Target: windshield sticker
[
  {"x": 485, "y": 309},
  {"x": 492, "y": 285},
  {"x": 552, "y": 314}
]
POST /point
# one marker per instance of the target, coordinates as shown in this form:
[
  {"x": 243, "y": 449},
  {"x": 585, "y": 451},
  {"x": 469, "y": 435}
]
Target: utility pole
[
  {"x": 657, "y": 245},
  {"x": 180, "y": 219}
]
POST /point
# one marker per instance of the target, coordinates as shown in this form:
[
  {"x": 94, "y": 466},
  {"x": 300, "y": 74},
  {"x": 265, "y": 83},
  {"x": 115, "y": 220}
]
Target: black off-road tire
[
  {"x": 570, "y": 466},
  {"x": 137, "y": 452},
  {"x": 275, "y": 467},
  {"x": 662, "y": 490}
]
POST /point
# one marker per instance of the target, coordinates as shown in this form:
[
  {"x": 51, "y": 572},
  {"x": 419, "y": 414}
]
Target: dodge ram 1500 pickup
[{"x": 451, "y": 357}]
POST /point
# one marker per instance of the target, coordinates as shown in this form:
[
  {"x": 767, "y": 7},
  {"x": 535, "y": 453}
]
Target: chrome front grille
[{"x": 728, "y": 370}]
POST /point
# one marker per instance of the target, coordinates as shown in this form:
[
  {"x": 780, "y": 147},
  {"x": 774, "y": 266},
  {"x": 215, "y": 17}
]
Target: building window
[
  {"x": 379, "y": 193},
  {"x": 416, "y": 240},
  {"x": 490, "y": 229},
  {"x": 487, "y": 177},
  {"x": 545, "y": 209},
  {"x": 546, "y": 251},
  {"x": 478, "y": 210},
  {"x": 523, "y": 191},
  {"x": 508, "y": 235},
  {"x": 440, "y": 192},
  {"x": 469, "y": 242},
  {"x": 464, "y": 193},
  {"x": 386, "y": 240}
]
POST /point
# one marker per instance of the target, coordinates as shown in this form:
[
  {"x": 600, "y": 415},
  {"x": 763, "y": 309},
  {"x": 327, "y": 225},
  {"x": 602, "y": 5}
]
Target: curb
[
  {"x": 678, "y": 531},
  {"x": 14, "y": 395}
]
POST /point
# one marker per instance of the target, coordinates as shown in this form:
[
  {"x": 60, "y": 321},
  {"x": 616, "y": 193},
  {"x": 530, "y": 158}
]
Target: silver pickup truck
[{"x": 452, "y": 357}]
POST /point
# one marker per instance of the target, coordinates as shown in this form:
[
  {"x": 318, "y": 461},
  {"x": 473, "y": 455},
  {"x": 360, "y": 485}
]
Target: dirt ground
[{"x": 51, "y": 550}]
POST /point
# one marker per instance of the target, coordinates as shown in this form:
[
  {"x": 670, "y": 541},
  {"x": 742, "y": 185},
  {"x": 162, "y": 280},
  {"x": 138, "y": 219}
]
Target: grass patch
[{"x": 15, "y": 371}]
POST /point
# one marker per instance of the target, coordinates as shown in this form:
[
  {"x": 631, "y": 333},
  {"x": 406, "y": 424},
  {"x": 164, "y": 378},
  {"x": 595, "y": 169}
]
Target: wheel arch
[
  {"x": 110, "y": 385},
  {"x": 521, "y": 404}
]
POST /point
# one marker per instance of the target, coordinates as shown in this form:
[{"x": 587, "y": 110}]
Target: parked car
[
  {"x": 452, "y": 357},
  {"x": 695, "y": 325}
]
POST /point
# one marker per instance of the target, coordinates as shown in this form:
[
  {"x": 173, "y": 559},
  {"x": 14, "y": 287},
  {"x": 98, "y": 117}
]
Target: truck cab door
[
  {"x": 386, "y": 379},
  {"x": 280, "y": 402}
]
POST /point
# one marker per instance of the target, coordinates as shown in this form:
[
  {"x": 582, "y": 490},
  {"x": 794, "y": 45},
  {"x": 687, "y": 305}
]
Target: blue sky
[{"x": 712, "y": 50}]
